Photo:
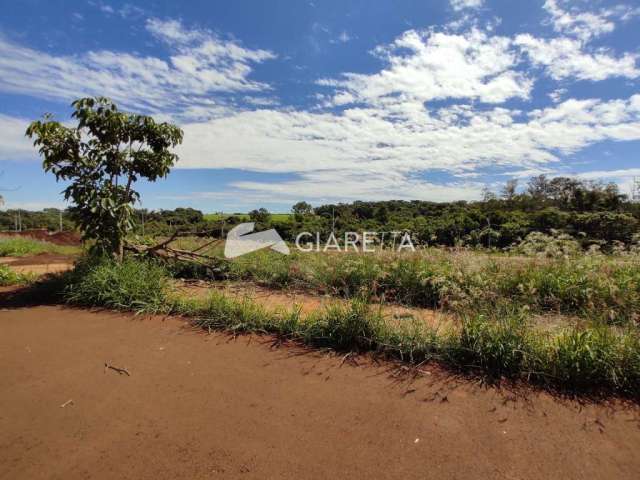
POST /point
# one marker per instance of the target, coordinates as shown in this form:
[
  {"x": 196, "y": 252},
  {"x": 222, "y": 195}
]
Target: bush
[
  {"x": 131, "y": 285},
  {"x": 555, "y": 245}
]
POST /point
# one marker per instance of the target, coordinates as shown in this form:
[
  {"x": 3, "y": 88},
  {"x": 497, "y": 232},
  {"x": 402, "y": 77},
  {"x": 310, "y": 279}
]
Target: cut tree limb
[{"x": 164, "y": 251}]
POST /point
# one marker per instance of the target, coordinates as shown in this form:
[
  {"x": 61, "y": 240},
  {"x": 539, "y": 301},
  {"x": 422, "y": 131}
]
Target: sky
[{"x": 333, "y": 101}]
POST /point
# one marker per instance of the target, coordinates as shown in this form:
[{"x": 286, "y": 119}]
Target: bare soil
[
  {"x": 59, "y": 238},
  {"x": 40, "y": 264},
  {"x": 207, "y": 406},
  {"x": 305, "y": 301}
]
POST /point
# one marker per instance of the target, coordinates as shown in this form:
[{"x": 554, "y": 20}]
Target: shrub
[
  {"x": 555, "y": 245},
  {"x": 130, "y": 285}
]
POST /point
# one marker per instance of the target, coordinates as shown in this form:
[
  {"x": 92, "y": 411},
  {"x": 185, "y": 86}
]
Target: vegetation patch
[
  {"x": 9, "y": 277},
  {"x": 498, "y": 342},
  {"x": 135, "y": 285},
  {"x": 21, "y": 247}
]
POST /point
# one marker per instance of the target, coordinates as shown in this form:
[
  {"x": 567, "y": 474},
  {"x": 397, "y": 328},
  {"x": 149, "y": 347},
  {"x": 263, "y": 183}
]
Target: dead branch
[
  {"x": 120, "y": 370},
  {"x": 164, "y": 251}
]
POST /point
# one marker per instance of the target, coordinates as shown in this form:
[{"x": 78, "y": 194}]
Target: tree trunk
[{"x": 119, "y": 250}]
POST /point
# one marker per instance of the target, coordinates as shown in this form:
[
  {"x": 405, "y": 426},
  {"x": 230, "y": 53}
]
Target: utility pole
[
  {"x": 635, "y": 189},
  {"x": 333, "y": 220}
]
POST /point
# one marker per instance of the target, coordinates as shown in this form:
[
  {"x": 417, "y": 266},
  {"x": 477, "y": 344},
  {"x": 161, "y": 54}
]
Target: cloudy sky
[{"x": 330, "y": 101}]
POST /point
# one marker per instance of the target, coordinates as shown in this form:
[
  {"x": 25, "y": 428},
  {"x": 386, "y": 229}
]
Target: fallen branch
[
  {"x": 164, "y": 251},
  {"x": 68, "y": 402},
  {"x": 120, "y": 370}
]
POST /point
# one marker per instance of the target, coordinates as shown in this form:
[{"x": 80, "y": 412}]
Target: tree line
[{"x": 592, "y": 212}]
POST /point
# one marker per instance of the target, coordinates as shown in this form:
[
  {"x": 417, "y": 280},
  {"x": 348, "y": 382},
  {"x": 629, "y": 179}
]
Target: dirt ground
[
  {"x": 40, "y": 264},
  {"x": 59, "y": 238},
  {"x": 307, "y": 302},
  {"x": 207, "y": 406}
]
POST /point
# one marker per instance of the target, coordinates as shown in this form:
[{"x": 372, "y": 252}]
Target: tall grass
[
  {"x": 606, "y": 288},
  {"x": 497, "y": 342},
  {"x": 131, "y": 285}
]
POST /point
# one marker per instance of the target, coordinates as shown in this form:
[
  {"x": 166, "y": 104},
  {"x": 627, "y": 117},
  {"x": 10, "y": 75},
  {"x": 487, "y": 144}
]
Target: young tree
[
  {"x": 102, "y": 158},
  {"x": 260, "y": 215},
  {"x": 509, "y": 189},
  {"x": 301, "y": 210}
]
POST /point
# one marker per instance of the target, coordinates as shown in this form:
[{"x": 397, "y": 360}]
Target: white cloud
[
  {"x": 344, "y": 37},
  {"x": 328, "y": 186},
  {"x": 13, "y": 144},
  {"x": 200, "y": 65},
  {"x": 566, "y": 58},
  {"x": 557, "y": 94},
  {"x": 366, "y": 153},
  {"x": 587, "y": 25},
  {"x": 425, "y": 66},
  {"x": 127, "y": 11},
  {"x": 458, "y": 5}
]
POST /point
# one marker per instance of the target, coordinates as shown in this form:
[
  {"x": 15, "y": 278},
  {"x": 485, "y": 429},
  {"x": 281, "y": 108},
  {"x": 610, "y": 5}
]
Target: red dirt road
[{"x": 204, "y": 406}]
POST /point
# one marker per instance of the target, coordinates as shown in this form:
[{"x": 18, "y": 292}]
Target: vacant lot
[{"x": 206, "y": 406}]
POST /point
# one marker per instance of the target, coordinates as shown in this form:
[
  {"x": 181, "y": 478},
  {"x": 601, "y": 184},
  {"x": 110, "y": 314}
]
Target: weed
[
  {"x": 9, "y": 277},
  {"x": 131, "y": 285}
]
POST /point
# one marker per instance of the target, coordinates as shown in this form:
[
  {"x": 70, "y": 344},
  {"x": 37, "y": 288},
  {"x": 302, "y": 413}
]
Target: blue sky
[{"x": 329, "y": 101}]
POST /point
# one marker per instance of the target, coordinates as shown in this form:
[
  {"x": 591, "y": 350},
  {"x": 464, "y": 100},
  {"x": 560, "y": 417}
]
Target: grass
[
  {"x": 593, "y": 287},
  {"x": 131, "y": 285},
  {"x": 9, "y": 277},
  {"x": 496, "y": 342},
  {"x": 22, "y": 247}
]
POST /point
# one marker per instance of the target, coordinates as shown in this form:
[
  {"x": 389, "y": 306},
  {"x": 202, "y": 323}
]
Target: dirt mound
[{"x": 42, "y": 234}]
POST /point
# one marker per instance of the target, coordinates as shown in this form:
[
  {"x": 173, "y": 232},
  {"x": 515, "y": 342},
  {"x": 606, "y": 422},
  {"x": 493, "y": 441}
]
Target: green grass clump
[
  {"x": 136, "y": 285},
  {"x": 9, "y": 277},
  {"x": 344, "y": 327},
  {"x": 593, "y": 357},
  {"x": 21, "y": 247},
  {"x": 502, "y": 345}
]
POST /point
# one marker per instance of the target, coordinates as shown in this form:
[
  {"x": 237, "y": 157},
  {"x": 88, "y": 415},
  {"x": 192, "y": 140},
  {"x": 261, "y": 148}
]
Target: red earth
[
  {"x": 201, "y": 406},
  {"x": 59, "y": 238}
]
